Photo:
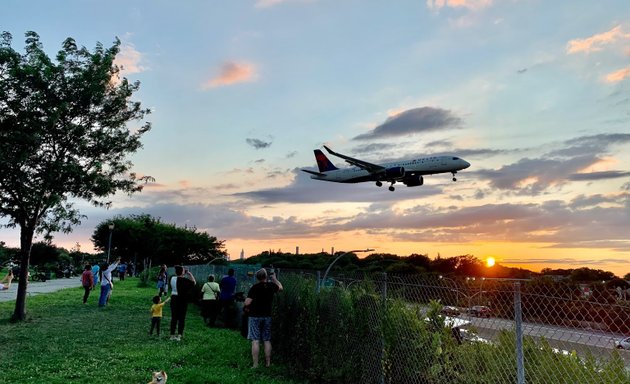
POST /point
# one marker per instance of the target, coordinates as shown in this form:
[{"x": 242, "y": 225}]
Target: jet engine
[
  {"x": 413, "y": 180},
  {"x": 394, "y": 173}
]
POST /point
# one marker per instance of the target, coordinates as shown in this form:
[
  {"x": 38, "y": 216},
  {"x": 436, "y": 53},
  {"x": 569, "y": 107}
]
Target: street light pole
[
  {"x": 109, "y": 243},
  {"x": 334, "y": 261}
]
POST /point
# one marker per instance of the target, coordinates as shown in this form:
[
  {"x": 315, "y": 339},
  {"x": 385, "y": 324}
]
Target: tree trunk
[{"x": 26, "y": 242}]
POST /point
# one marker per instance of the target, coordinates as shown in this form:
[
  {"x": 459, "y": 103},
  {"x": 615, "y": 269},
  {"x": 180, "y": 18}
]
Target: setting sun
[{"x": 490, "y": 262}]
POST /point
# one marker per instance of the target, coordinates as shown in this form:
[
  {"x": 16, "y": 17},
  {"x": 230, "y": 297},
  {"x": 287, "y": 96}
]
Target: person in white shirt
[{"x": 107, "y": 283}]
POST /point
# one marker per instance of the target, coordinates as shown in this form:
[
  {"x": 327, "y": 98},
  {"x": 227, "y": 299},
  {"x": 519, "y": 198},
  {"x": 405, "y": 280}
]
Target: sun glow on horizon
[{"x": 490, "y": 262}]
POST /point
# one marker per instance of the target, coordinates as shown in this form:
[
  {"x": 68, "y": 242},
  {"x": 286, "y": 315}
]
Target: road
[
  {"x": 584, "y": 342},
  {"x": 37, "y": 287}
]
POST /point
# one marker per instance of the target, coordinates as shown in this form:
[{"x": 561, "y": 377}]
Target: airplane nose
[{"x": 466, "y": 164}]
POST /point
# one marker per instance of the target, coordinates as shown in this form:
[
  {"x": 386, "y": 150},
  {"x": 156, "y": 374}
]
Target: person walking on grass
[
  {"x": 181, "y": 286},
  {"x": 107, "y": 284},
  {"x": 156, "y": 314},
  {"x": 87, "y": 280},
  {"x": 258, "y": 305},
  {"x": 6, "y": 282}
]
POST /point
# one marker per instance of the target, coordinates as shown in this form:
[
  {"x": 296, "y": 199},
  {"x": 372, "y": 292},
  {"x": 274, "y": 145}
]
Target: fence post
[
  {"x": 518, "y": 320},
  {"x": 384, "y": 298}
]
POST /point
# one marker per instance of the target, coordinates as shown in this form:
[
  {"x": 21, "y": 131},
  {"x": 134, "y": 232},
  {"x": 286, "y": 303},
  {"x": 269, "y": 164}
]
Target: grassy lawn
[{"x": 65, "y": 341}]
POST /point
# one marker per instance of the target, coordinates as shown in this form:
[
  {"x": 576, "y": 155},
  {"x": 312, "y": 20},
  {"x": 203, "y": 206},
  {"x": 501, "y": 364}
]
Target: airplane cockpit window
[{"x": 455, "y": 158}]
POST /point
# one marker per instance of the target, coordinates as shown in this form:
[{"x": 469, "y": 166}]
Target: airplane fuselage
[{"x": 416, "y": 167}]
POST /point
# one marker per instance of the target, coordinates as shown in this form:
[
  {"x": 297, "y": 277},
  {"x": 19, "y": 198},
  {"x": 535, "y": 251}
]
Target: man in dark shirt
[
  {"x": 259, "y": 303},
  {"x": 181, "y": 286},
  {"x": 226, "y": 298}
]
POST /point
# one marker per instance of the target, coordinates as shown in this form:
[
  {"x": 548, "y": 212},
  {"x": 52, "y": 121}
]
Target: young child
[{"x": 156, "y": 314}]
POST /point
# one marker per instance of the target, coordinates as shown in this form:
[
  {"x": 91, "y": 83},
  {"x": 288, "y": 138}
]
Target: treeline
[
  {"x": 139, "y": 239},
  {"x": 459, "y": 266},
  {"x": 452, "y": 267}
]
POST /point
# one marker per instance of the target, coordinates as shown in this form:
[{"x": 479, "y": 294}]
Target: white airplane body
[{"x": 409, "y": 172}]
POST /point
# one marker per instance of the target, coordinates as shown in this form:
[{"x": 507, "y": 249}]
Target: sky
[{"x": 534, "y": 94}]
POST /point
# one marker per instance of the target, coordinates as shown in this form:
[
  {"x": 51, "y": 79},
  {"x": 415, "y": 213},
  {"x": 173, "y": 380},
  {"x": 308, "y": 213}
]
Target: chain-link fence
[{"x": 388, "y": 328}]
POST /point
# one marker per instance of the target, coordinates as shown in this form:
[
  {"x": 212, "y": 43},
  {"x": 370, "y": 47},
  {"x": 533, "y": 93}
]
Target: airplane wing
[{"x": 372, "y": 168}]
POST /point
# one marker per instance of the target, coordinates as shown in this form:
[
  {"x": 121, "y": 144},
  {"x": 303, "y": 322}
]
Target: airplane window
[{"x": 455, "y": 158}]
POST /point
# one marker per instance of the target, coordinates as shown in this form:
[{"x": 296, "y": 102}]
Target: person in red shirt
[{"x": 87, "y": 280}]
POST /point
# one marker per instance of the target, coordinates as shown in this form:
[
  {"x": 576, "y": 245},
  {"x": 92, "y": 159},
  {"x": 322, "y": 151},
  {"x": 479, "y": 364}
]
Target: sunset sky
[{"x": 534, "y": 94}]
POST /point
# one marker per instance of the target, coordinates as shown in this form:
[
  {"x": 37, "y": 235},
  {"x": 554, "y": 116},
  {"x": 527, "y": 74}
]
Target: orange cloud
[
  {"x": 232, "y": 73},
  {"x": 596, "y": 42},
  {"x": 617, "y": 76},
  {"x": 469, "y": 4}
]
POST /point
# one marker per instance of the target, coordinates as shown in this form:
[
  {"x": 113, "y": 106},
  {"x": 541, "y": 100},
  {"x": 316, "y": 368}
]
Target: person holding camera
[
  {"x": 258, "y": 305},
  {"x": 181, "y": 286}
]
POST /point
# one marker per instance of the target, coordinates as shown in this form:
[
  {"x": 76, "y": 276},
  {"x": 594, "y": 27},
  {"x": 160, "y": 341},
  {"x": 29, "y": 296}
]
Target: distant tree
[
  {"x": 626, "y": 276},
  {"x": 63, "y": 136},
  {"x": 144, "y": 237},
  {"x": 588, "y": 274}
]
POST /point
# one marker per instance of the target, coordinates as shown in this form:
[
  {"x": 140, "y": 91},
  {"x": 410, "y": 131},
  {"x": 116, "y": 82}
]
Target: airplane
[{"x": 409, "y": 172}]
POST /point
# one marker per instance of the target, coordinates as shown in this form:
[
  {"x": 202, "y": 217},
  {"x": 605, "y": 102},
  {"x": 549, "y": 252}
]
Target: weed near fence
[{"x": 367, "y": 334}]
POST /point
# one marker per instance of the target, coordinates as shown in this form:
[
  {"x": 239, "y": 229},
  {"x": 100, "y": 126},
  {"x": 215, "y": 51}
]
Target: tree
[
  {"x": 144, "y": 238},
  {"x": 63, "y": 136}
]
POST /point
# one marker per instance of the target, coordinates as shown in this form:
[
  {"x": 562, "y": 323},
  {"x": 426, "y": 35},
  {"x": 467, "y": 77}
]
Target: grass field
[{"x": 64, "y": 341}]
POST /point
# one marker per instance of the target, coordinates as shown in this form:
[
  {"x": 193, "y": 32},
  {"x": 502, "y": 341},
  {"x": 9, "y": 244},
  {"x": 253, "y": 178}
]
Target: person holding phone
[
  {"x": 258, "y": 305},
  {"x": 181, "y": 285}
]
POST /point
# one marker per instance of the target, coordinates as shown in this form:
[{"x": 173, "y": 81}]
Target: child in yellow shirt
[{"x": 156, "y": 314}]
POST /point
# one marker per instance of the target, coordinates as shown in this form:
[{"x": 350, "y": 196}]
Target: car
[
  {"x": 480, "y": 311},
  {"x": 623, "y": 343},
  {"x": 450, "y": 311}
]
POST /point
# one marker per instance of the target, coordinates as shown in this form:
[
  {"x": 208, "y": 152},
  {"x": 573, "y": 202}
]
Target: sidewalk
[{"x": 37, "y": 287}]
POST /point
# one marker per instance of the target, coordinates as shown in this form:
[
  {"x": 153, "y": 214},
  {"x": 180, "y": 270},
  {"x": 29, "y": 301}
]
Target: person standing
[
  {"x": 156, "y": 314},
  {"x": 122, "y": 268},
  {"x": 95, "y": 273},
  {"x": 87, "y": 281},
  {"x": 210, "y": 301},
  {"x": 226, "y": 298},
  {"x": 161, "y": 281},
  {"x": 181, "y": 285},
  {"x": 259, "y": 303},
  {"x": 107, "y": 285}
]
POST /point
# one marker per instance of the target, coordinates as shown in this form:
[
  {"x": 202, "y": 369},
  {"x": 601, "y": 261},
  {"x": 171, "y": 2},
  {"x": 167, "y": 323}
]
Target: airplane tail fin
[{"x": 323, "y": 163}]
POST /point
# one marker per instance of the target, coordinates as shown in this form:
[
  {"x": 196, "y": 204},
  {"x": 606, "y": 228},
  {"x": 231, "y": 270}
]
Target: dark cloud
[
  {"x": 416, "y": 120},
  {"x": 375, "y": 147},
  {"x": 291, "y": 154},
  {"x": 303, "y": 189},
  {"x": 521, "y": 71},
  {"x": 257, "y": 143},
  {"x": 598, "y": 175},
  {"x": 534, "y": 176},
  {"x": 594, "y": 145}
]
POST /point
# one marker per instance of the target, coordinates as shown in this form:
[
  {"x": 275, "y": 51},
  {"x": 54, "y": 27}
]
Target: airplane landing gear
[
  {"x": 391, "y": 188},
  {"x": 379, "y": 184},
  {"x": 454, "y": 178}
]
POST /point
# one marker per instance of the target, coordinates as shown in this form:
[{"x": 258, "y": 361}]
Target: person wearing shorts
[{"x": 258, "y": 305}]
